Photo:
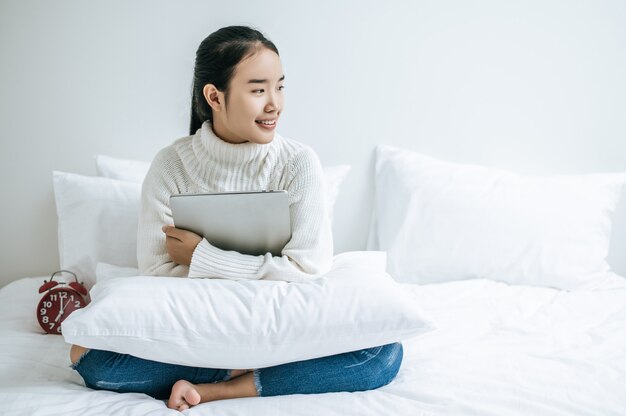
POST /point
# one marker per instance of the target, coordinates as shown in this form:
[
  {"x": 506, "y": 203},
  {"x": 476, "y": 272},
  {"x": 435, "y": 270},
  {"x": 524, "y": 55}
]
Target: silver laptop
[{"x": 255, "y": 222}]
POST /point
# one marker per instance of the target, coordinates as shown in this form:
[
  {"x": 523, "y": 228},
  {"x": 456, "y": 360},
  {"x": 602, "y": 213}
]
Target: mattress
[{"x": 497, "y": 350}]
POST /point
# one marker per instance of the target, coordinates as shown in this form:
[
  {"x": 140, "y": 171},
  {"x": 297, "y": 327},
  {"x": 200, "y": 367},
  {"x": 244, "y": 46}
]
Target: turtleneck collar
[{"x": 230, "y": 153}]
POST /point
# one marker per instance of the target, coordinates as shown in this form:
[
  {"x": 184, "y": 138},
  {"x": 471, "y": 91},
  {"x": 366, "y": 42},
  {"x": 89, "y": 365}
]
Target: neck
[
  {"x": 225, "y": 134},
  {"x": 220, "y": 151}
]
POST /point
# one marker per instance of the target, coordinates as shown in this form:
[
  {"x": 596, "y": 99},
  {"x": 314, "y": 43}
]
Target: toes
[
  {"x": 182, "y": 405},
  {"x": 183, "y": 396},
  {"x": 192, "y": 397}
]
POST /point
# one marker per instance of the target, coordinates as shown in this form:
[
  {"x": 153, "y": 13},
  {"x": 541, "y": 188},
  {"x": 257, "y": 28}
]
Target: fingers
[
  {"x": 180, "y": 244},
  {"x": 172, "y": 231},
  {"x": 181, "y": 235}
]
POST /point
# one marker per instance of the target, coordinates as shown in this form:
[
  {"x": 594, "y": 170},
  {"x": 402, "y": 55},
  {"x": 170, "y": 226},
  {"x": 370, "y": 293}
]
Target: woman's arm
[
  {"x": 159, "y": 184},
  {"x": 307, "y": 255}
]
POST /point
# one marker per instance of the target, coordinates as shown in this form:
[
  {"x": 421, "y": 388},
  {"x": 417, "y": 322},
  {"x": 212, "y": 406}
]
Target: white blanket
[{"x": 498, "y": 350}]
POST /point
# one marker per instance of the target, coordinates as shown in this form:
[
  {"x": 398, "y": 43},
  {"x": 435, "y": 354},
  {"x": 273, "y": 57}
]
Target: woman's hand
[{"x": 180, "y": 244}]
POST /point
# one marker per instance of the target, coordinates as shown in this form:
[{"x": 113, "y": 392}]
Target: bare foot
[{"x": 183, "y": 396}]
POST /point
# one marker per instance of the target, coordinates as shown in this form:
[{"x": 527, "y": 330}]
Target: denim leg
[
  {"x": 359, "y": 370},
  {"x": 105, "y": 370}
]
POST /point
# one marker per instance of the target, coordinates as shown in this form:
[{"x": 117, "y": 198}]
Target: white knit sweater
[{"x": 205, "y": 163}]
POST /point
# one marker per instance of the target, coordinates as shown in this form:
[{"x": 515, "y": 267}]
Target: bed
[
  {"x": 497, "y": 350},
  {"x": 525, "y": 341}
]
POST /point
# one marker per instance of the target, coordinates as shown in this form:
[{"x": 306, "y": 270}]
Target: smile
[{"x": 266, "y": 124}]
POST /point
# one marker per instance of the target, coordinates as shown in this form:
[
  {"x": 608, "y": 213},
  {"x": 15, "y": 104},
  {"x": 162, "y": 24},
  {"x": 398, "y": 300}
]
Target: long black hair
[{"x": 216, "y": 59}]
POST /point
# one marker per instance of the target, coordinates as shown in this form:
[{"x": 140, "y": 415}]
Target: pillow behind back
[
  {"x": 442, "y": 221},
  {"x": 136, "y": 170},
  {"x": 121, "y": 169},
  {"x": 97, "y": 222},
  {"x": 98, "y": 216}
]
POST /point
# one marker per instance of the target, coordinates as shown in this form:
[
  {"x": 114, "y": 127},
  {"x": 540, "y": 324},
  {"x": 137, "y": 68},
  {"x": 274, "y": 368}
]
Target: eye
[{"x": 280, "y": 88}]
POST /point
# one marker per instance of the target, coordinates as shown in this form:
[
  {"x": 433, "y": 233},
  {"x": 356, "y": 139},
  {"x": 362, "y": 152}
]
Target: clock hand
[{"x": 61, "y": 311}]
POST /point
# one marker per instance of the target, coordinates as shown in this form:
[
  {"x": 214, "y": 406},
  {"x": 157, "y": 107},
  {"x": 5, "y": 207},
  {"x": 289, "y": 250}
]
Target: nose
[{"x": 273, "y": 103}]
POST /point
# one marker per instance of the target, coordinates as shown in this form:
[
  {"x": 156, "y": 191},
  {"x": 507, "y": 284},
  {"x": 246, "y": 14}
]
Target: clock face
[{"x": 55, "y": 306}]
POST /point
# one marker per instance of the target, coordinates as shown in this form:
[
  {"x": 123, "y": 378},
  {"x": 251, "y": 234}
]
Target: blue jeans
[{"x": 359, "y": 370}]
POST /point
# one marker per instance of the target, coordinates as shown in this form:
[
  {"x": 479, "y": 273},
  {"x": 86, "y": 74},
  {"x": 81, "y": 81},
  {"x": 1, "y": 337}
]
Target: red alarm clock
[{"x": 60, "y": 300}]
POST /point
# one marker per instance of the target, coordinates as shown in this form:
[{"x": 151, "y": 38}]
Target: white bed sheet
[{"x": 498, "y": 350}]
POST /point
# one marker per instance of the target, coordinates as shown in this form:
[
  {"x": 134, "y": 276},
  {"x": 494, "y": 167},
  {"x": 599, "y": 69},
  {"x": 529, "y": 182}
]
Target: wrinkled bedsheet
[{"x": 497, "y": 350}]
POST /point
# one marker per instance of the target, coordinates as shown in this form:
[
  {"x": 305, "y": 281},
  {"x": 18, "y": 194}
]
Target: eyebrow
[{"x": 262, "y": 81}]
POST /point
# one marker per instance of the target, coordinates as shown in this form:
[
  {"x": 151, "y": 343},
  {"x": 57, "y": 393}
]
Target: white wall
[{"x": 532, "y": 86}]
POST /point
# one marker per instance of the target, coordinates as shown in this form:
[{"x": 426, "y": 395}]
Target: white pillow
[
  {"x": 243, "y": 324},
  {"x": 98, "y": 216},
  {"x": 441, "y": 221},
  {"x": 106, "y": 271},
  {"x": 121, "y": 169},
  {"x": 97, "y": 221},
  {"x": 334, "y": 176},
  {"x": 136, "y": 170}
]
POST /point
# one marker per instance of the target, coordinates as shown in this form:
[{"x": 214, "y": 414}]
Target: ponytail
[{"x": 196, "y": 122}]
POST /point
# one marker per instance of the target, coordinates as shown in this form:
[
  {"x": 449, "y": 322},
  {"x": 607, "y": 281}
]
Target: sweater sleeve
[
  {"x": 159, "y": 184},
  {"x": 309, "y": 252}
]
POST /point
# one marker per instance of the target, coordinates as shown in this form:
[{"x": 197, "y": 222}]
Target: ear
[{"x": 213, "y": 96}]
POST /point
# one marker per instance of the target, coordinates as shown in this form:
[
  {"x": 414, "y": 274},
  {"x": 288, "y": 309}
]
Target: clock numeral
[
  {"x": 45, "y": 319},
  {"x": 47, "y": 304},
  {"x": 42, "y": 311},
  {"x": 59, "y": 329},
  {"x": 51, "y": 325},
  {"x": 53, "y": 297},
  {"x": 63, "y": 295},
  {"x": 77, "y": 304}
]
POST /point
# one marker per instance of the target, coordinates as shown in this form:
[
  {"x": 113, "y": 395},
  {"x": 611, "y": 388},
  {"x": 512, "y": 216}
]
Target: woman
[{"x": 237, "y": 101}]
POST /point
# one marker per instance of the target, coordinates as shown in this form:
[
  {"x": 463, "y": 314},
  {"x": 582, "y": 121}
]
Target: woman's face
[{"x": 255, "y": 94}]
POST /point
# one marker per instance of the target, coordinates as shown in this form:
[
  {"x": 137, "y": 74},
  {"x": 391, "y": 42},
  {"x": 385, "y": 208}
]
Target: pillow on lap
[{"x": 243, "y": 324}]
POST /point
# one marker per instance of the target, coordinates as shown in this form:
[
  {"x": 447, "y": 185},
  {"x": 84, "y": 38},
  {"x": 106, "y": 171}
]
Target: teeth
[{"x": 269, "y": 123}]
